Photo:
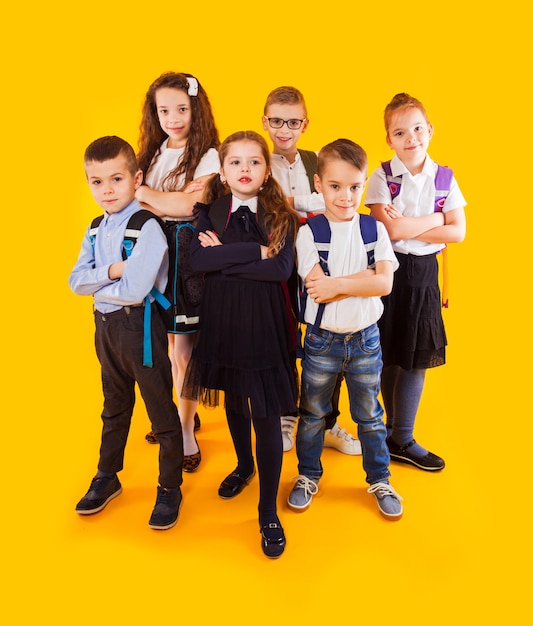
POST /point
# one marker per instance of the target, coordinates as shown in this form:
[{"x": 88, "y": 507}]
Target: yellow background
[{"x": 73, "y": 74}]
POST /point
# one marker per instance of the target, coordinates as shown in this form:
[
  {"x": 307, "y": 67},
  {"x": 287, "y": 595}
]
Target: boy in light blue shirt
[{"x": 119, "y": 287}]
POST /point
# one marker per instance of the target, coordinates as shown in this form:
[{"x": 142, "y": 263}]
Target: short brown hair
[
  {"x": 285, "y": 95},
  {"x": 106, "y": 148},
  {"x": 345, "y": 150}
]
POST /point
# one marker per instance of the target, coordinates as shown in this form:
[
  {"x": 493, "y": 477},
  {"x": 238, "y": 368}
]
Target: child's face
[
  {"x": 112, "y": 184},
  {"x": 174, "y": 113},
  {"x": 284, "y": 139},
  {"x": 244, "y": 169},
  {"x": 342, "y": 185},
  {"x": 409, "y": 134}
]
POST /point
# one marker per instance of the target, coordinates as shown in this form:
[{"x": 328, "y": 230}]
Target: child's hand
[
  {"x": 321, "y": 288},
  {"x": 194, "y": 185},
  {"x": 209, "y": 239},
  {"x": 392, "y": 211},
  {"x": 116, "y": 270},
  {"x": 139, "y": 193}
]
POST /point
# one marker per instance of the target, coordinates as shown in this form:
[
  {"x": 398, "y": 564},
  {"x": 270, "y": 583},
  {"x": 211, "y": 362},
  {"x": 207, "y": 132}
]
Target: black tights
[{"x": 268, "y": 447}]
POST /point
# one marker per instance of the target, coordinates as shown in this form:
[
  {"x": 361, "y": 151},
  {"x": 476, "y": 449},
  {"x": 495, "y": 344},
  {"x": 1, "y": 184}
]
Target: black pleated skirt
[{"x": 411, "y": 327}]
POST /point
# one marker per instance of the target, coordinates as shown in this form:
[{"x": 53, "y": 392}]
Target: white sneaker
[
  {"x": 288, "y": 425},
  {"x": 342, "y": 441}
]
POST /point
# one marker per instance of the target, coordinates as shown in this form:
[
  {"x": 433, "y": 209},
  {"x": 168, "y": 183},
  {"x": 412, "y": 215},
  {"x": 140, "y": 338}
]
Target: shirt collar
[
  {"x": 236, "y": 203},
  {"x": 398, "y": 168}
]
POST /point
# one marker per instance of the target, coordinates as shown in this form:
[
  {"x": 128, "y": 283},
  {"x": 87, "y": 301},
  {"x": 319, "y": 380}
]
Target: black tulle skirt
[
  {"x": 244, "y": 346},
  {"x": 411, "y": 327}
]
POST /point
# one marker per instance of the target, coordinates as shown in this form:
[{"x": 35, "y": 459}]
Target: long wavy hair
[
  {"x": 280, "y": 219},
  {"x": 203, "y": 133}
]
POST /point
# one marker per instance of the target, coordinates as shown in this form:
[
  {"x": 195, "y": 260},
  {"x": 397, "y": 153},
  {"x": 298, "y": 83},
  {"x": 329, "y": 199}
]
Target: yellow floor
[{"x": 447, "y": 558}]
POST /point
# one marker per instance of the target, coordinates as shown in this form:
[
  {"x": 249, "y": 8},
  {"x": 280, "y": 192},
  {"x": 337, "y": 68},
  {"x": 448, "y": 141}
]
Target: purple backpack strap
[
  {"x": 443, "y": 182},
  {"x": 393, "y": 182}
]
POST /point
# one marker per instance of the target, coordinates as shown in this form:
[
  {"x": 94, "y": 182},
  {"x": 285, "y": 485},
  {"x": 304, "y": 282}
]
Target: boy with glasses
[{"x": 285, "y": 119}]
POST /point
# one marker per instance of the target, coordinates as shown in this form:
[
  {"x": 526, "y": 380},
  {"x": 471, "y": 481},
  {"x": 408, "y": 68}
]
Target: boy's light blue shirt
[{"x": 147, "y": 266}]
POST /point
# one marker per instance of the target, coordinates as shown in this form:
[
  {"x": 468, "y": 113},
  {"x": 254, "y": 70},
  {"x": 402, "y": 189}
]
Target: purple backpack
[{"x": 443, "y": 181}]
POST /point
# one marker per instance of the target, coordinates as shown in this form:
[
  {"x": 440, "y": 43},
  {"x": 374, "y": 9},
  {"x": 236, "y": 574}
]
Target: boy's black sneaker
[
  {"x": 102, "y": 490},
  {"x": 166, "y": 509}
]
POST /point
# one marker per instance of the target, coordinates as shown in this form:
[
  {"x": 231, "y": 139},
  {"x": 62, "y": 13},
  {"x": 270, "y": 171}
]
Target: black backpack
[{"x": 131, "y": 234}]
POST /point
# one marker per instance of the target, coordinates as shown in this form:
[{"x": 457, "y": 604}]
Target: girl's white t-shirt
[{"x": 168, "y": 160}]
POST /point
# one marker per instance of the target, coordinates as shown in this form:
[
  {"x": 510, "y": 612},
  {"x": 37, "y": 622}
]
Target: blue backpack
[
  {"x": 131, "y": 234},
  {"x": 443, "y": 181},
  {"x": 321, "y": 230}
]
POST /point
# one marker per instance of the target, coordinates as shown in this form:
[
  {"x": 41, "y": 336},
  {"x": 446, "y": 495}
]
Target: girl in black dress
[{"x": 244, "y": 242}]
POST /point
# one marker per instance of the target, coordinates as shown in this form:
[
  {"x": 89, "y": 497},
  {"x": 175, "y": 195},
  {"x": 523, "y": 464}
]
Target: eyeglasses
[{"x": 276, "y": 122}]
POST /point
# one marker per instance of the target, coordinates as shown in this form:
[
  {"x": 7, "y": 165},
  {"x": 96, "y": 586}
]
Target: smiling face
[
  {"x": 408, "y": 134},
  {"x": 245, "y": 168},
  {"x": 284, "y": 139},
  {"x": 342, "y": 185},
  {"x": 174, "y": 113},
  {"x": 112, "y": 183}
]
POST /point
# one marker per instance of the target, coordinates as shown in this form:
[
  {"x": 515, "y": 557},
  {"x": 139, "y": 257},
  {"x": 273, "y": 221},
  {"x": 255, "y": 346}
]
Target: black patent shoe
[
  {"x": 402, "y": 454},
  {"x": 273, "y": 540},
  {"x": 233, "y": 484}
]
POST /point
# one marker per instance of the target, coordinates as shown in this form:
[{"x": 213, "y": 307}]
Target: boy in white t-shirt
[{"x": 347, "y": 339}]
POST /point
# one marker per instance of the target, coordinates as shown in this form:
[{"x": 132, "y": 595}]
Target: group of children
[{"x": 240, "y": 228}]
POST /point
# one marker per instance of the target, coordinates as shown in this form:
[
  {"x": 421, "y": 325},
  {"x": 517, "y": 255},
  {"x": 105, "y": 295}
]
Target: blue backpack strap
[
  {"x": 369, "y": 232},
  {"x": 321, "y": 230},
  {"x": 443, "y": 183},
  {"x": 393, "y": 182}
]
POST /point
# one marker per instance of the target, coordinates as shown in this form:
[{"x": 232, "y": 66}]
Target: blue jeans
[{"x": 358, "y": 357}]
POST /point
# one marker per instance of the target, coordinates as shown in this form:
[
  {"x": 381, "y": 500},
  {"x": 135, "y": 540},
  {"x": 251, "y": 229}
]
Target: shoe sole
[
  {"x": 101, "y": 507},
  {"x": 409, "y": 461},
  {"x": 167, "y": 526}
]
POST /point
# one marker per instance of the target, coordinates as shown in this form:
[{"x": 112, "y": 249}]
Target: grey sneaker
[
  {"x": 166, "y": 509},
  {"x": 389, "y": 502},
  {"x": 102, "y": 490},
  {"x": 288, "y": 426},
  {"x": 302, "y": 493}
]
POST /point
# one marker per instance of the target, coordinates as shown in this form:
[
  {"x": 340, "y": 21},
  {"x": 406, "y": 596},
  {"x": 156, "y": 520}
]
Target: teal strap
[
  {"x": 147, "y": 342},
  {"x": 160, "y": 298}
]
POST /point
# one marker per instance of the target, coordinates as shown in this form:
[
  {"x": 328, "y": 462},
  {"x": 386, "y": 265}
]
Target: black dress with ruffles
[{"x": 244, "y": 344}]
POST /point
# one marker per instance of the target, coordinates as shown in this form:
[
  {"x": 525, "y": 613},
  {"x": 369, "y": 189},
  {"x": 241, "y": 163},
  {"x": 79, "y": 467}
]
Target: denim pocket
[
  {"x": 318, "y": 343},
  {"x": 370, "y": 340}
]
